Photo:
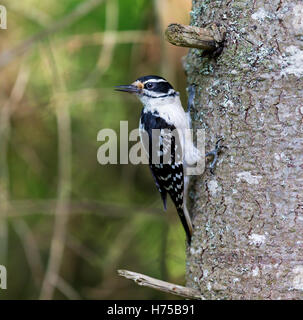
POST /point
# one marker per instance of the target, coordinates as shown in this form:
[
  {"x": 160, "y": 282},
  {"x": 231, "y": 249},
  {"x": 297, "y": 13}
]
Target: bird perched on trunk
[{"x": 163, "y": 125}]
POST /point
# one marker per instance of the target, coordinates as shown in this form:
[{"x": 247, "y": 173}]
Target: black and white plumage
[{"x": 163, "y": 125}]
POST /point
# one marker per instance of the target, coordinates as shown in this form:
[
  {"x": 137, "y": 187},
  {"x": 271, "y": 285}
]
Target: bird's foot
[
  {"x": 191, "y": 97},
  {"x": 215, "y": 154}
]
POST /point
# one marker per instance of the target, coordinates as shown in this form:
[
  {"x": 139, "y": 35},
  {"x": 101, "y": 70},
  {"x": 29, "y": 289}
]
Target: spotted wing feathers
[{"x": 167, "y": 166}]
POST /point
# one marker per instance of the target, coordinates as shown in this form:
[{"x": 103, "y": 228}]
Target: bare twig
[
  {"x": 64, "y": 186},
  {"x": 109, "y": 43},
  {"x": 75, "y": 42},
  {"x": 146, "y": 281},
  {"x": 21, "y": 208},
  {"x": 65, "y": 288},
  {"x": 81, "y": 250},
  {"x": 208, "y": 38},
  {"x": 115, "y": 254},
  {"x": 31, "y": 249},
  {"x": 32, "y": 13},
  {"x": 81, "y": 10},
  {"x": 5, "y": 127}
]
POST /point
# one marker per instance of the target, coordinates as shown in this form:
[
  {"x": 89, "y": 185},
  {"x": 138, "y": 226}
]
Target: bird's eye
[{"x": 149, "y": 85}]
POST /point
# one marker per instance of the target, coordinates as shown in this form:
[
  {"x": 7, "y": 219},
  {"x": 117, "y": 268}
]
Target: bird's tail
[{"x": 186, "y": 222}]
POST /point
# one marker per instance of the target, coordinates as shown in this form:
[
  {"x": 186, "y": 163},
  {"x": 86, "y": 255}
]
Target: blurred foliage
[{"x": 115, "y": 216}]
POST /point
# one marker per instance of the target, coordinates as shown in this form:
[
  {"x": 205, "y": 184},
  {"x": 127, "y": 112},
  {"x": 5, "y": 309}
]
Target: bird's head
[{"x": 150, "y": 89}]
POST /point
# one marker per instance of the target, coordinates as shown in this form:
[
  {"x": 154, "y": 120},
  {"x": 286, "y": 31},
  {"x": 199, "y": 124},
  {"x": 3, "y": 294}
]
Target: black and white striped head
[{"x": 150, "y": 88}]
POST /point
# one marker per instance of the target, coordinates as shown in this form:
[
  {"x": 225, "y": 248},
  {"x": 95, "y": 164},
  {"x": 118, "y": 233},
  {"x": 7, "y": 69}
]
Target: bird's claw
[
  {"x": 214, "y": 153},
  {"x": 191, "y": 97}
]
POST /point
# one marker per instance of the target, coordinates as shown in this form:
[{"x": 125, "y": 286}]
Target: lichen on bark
[{"x": 248, "y": 217}]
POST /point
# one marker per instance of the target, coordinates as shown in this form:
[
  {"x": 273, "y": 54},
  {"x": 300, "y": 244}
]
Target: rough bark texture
[{"x": 248, "y": 217}]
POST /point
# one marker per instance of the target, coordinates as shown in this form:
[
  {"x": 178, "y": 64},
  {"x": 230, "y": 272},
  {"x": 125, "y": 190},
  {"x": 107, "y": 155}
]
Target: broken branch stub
[
  {"x": 209, "y": 38},
  {"x": 167, "y": 287}
]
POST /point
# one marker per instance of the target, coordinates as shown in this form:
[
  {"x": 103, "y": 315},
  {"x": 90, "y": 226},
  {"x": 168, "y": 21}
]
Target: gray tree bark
[{"x": 248, "y": 216}]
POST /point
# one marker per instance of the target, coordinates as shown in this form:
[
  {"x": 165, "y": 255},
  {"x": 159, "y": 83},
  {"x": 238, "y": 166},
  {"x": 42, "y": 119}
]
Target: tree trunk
[{"x": 248, "y": 216}]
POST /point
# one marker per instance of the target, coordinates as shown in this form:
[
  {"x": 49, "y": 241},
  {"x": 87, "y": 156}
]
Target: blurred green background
[{"x": 68, "y": 223}]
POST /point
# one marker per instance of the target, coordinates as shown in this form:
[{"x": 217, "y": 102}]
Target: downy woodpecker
[{"x": 162, "y": 112}]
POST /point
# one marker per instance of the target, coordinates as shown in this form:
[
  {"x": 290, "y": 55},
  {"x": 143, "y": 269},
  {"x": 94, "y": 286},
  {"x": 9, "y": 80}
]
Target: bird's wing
[
  {"x": 162, "y": 143},
  {"x": 162, "y": 191},
  {"x": 169, "y": 181},
  {"x": 167, "y": 168}
]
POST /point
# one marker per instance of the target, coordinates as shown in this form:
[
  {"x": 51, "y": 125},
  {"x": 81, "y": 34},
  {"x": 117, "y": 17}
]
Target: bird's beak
[{"x": 130, "y": 88}]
